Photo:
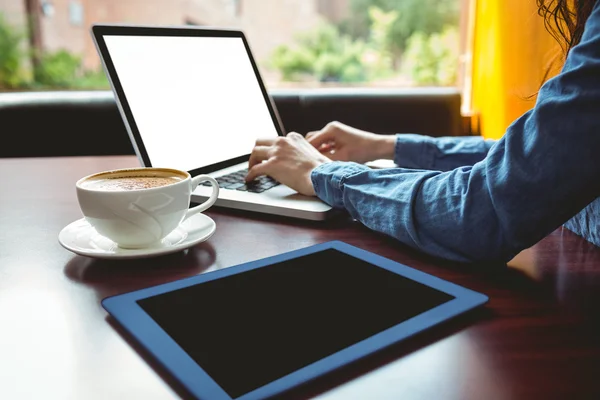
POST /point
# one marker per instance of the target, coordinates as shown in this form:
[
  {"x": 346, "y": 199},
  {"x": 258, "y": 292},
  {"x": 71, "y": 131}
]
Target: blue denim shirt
[{"x": 472, "y": 200}]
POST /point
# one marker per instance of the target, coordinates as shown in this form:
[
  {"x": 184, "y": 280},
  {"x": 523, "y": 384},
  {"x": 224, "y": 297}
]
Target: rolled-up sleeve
[{"x": 441, "y": 153}]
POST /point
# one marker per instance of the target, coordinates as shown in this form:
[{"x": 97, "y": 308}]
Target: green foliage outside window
[
  {"x": 58, "y": 69},
  {"x": 322, "y": 53},
  {"x": 417, "y": 39},
  {"x": 381, "y": 39},
  {"x": 432, "y": 60},
  {"x": 330, "y": 56},
  {"x": 413, "y": 16},
  {"x": 62, "y": 69},
  {"x": 12, "y": 56}
]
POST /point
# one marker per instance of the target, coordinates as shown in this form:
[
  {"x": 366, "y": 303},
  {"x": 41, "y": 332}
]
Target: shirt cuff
[
  {"x": 328, "y": 180},
  {"x": 414, "y": 151}
]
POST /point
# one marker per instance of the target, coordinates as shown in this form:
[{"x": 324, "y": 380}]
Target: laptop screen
[{"x": 196, "y": 101}]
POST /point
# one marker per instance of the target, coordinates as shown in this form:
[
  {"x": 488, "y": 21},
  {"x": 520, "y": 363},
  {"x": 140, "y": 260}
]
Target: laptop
[{"x": 193, "y": 99}]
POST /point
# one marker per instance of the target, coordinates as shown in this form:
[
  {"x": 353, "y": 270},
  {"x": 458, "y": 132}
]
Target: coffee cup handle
[{"x": 211, "y": 200}]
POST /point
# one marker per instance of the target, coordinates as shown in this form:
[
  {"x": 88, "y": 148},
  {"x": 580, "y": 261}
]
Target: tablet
[{"x": 258, "y": 329}]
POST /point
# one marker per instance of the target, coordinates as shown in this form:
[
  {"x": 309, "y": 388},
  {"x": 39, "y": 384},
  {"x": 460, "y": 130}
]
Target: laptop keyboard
[{"x": 236, "y": 181}]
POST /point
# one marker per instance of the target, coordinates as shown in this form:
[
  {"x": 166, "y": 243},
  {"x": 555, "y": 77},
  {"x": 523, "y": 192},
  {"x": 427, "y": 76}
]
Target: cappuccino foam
[{"x": 125, "y": 183}]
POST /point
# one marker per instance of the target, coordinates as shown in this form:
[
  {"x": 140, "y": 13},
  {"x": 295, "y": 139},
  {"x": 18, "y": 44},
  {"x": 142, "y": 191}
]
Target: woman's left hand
[{"x": 289, "y": 160}]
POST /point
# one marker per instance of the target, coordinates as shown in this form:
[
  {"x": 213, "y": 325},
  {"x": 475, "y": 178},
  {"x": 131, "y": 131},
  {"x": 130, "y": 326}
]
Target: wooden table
[{"x": 538, "y": 337}]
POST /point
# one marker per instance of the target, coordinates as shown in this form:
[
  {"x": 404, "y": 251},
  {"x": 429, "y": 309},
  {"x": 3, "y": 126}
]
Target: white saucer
[{"x": 80, "y": 238}]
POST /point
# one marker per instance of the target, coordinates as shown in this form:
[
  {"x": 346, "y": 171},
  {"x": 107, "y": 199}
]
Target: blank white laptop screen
[{"x": 196, "y": 100}]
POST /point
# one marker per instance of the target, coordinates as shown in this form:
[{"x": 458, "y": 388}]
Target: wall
[
  {"x": 13, "y": 11},
  {"x": 59, "y": 31},
  {"x": 511, "y": 51},
  {"x": 270, "y": 23},
  {"x": 266, "y": 23}
]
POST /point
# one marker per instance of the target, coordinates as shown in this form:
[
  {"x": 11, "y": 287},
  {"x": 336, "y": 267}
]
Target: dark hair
[{"x": 565, "y": 20}]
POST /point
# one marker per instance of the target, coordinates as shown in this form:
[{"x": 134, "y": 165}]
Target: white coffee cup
[{"x": 138, "y": 207}]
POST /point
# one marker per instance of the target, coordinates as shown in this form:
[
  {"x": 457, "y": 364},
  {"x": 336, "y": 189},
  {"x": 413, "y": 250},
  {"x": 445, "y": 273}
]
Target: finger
[
  {"x": 295, "y": 136},
  {"x": 265, "y": 141},
  {"x": 259, "y": 154},
  {"x": 326, "y": 147},
  {"x": 258, "y": 170},
  {"x": 311, "y": 134},
  {"x": 322, "y": 137},
  {"x": 334, "y": 155}
]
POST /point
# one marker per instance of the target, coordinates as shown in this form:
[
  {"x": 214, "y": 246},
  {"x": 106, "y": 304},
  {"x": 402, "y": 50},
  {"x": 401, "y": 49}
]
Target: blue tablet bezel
[{"x": 126, "y": 311}]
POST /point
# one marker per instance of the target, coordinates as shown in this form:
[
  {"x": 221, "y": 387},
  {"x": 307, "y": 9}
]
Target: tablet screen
[{"x": 249, "y": 329}]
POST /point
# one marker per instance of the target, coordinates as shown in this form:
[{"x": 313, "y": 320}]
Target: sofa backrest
[{"x": 72, "y": 123}]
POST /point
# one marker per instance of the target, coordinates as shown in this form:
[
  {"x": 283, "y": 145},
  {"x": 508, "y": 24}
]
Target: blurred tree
[
  {"x": 62, "y": 69},
  {"x": 12, "y": 56},
  {"x": 432, "y": 60},
  {"x": 59, "y": 69},
  {"x": 425, "y": 16},
  {"x": 321, "y": 53},
  {"x": 380, "y": 42}
]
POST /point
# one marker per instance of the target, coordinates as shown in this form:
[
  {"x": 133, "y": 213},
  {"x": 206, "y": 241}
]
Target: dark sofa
[{"x": 41, "y": 124}]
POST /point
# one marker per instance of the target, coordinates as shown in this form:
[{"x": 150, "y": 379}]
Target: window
[
  {"x": 297, "y": 43},
  {"x": 237, "y": 7},
  {"x": 76, "y": 13}
]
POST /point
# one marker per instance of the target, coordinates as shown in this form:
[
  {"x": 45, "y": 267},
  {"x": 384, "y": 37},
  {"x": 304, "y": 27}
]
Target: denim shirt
[{"x": 472, "y": 200}]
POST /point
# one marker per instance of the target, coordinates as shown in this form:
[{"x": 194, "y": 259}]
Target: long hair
[{"x": 565, "y": 20}]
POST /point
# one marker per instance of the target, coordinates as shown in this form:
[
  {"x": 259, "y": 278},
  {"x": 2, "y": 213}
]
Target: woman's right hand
[{"x": 341, "y": 142}]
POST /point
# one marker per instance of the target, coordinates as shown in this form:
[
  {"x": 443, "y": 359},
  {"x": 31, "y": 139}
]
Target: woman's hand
[
  {"x": 289, "y": 160},
  {"x": 341, "y": 142}
]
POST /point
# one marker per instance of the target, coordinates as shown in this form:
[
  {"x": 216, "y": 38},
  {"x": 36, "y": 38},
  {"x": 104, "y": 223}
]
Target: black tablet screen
[{"x": 248, "y": 329}]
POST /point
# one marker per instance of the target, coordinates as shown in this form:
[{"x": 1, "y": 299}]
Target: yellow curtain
[{"x": 510, "y": 53}]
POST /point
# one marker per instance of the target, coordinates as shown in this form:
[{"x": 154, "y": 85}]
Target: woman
[{"x": 467, "y": 199}]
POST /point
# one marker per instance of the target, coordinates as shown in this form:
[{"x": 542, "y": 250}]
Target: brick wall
[
  {"x": 266, "y": 23},
  {"x": 59, "y": 31},
  {"x": 153, "y": 12}
]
